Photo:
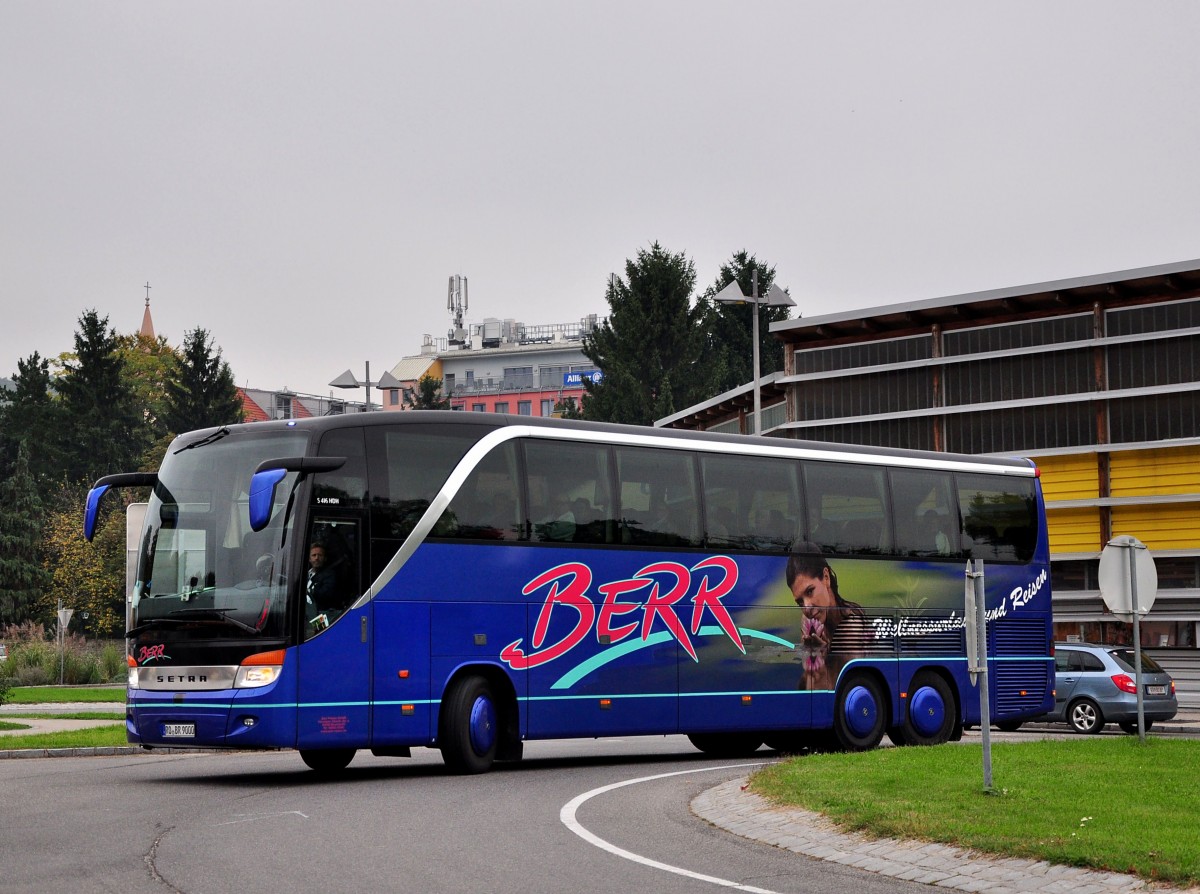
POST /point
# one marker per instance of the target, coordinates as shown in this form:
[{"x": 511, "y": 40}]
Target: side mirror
[
  {"x": 271, "y": 471},
  {"x": 102, "y": 486}
]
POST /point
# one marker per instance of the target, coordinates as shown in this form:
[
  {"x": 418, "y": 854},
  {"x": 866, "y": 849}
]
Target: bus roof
[{"x": 534, "y": 426}]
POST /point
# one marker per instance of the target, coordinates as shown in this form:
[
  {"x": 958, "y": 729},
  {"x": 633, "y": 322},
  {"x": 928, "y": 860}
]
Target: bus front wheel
[
  {"x": 932, "y": 711},
  {"x": 860, "y": 714},
  {"x": 469, "y": 726}
]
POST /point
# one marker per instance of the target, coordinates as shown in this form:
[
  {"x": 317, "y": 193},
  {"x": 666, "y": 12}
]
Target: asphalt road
[{"x": 261, "y": 822}]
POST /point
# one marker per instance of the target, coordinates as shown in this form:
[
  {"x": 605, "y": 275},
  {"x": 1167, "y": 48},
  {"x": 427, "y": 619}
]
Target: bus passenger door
[{"x": 335, "y": 658}]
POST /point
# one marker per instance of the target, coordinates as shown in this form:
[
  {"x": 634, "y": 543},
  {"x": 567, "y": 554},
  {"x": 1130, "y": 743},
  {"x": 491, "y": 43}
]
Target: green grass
[
  {"x": 93, "y": 737},
  {"x": 34, "y": 695},
  {"x": 1112, "y": 804}
]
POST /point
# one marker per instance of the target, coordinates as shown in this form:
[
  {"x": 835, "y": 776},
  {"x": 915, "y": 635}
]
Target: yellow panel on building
[
  {"x": 1070, "y": 477},
  {"x": 1169, "y": 470},
  {"x": 1074, "y": 530},
  {"x": 1165, "y": 526}
]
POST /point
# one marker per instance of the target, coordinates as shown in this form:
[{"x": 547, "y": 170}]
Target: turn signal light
[{"x": 261, "y": 669}]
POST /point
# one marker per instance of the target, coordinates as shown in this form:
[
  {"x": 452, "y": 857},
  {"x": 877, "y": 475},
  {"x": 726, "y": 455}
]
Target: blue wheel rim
[
  {"x": 483, "y": 725},
  {"x": 927, "y": 711},
  {"x": 861, "y": 711}
]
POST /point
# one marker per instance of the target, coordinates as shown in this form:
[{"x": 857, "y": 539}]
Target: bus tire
[
  {"x": 469, "y": 728},
  {"x": 327, "y": 761},
  {"x": 726, "y": 745},
  {"x": 932, "y": 712},
  {"x": 860, "y": 713},
  {"x": 896, "y": 734}
]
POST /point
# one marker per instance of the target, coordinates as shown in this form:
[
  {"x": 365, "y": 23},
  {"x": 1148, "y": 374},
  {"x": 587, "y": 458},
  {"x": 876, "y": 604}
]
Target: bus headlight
[{"x": 258, "y": 670}]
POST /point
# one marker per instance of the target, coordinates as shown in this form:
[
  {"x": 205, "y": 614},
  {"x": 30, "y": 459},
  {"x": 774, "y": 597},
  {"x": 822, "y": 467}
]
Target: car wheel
[
  {"x": 469, "y": 727},
  {"x": 1084, "y": 716},
  {"x": 1131, "y": 728},
  {"x": 860, "y": 714},
  {"x": 1009, "y": 726}
]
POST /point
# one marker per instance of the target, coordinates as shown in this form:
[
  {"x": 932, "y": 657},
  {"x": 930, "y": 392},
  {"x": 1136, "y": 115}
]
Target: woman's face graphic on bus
[{"x": 814, "y": 595}]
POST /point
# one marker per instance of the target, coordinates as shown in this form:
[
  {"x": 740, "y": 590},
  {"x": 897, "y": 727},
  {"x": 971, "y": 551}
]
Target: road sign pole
[{"x": 1137, "y": 642}]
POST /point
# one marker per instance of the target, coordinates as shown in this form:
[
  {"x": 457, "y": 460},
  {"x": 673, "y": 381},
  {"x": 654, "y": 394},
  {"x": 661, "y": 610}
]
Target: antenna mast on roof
[{"x": 456, "y": 303}]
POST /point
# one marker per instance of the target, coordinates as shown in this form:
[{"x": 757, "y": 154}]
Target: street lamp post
[
  {"x": 775, "y": 297},
  {"x": 387, "y": 382}
]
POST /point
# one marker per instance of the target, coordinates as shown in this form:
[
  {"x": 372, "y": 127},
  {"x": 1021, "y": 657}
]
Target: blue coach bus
[{"x": 468, "y": 582}]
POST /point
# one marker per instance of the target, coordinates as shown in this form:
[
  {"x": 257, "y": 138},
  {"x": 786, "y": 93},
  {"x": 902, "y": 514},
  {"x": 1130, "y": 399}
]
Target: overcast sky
[{"x": 301, "y": 179}]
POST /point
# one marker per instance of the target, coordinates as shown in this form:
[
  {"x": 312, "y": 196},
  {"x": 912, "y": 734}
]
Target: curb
[{"x": 734, "y": 809}]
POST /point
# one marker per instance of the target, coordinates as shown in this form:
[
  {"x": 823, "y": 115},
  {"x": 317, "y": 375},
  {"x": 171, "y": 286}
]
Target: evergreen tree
[
  {"x": 30, "y": 414},
  {"x": 200, "y": 389},
  {"x": 104, "y": 431},
  {"x": 22, "y": 578},
  {"x": 731, "y": 327},
  {"x": 427, "y": 396},
  {"x": 652, "y": 347}
]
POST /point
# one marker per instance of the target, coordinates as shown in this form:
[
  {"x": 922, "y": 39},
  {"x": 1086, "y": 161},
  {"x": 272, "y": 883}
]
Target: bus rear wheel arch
[
  {"x": 860, "y": 713},
  {"x": 930, "y": 711}
]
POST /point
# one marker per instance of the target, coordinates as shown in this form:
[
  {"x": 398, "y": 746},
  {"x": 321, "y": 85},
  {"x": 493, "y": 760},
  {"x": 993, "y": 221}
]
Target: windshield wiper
[
  {"x": 194, "y": 614},
  {"x": 205, "y": 441}
]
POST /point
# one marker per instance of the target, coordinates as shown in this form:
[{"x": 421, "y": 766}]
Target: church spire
[{"x": 147, "y": 330}]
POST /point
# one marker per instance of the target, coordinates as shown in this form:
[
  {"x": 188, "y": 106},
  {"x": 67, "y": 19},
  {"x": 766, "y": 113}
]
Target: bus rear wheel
[
  {"x": 725, "y": 745},
  {"x": 327, "y": 761},
  {"x": 860, "y": 713},
  {"x": 469, "y": 727},
  {"x": 932, "y": 712}
]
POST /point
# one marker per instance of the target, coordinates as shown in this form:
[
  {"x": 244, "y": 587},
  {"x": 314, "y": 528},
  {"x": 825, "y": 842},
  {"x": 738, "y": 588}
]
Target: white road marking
[
  {"x": 567, "y": 817},
  {"x": 250, "y": 817}
]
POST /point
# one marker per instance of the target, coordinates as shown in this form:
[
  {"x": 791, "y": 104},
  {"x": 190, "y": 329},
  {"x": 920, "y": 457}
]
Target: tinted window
[
  {"x": 347, "y": 486},
  {"x": 925, "y": 517},
  {"x": 487, "y": 506},
  {"x": 847, "y": 512},
  {"x": 1090, "y": 662},
  {"x": 570, "y": 498},
  {"x": 998, "y": 516},
  {"x": 658, "y": 503},
  {"x": 751, "y": 503},
  {"x": 410, "y": 463}
]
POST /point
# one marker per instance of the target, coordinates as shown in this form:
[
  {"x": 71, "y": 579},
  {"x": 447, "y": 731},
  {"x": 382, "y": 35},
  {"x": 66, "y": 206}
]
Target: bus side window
[
  {"x": 658, "y": 497},
  {"x": 486, "y": 506},
  {"x": 926, "y": 520},
  {"x": 409, "y": 464},
  {"x": 999, "y": 517},
  {"x": 569, "y": 492},
  {"x": 751, "y": 503},
  {"x": 847, "y": 508}
]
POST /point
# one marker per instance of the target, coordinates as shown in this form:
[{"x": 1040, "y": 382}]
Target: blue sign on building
[{"x": 575, "y": 379}]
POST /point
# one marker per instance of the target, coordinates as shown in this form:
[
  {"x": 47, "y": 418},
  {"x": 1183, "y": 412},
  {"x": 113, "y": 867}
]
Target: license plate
[
  {"x": 1156, "y": 690},
  {"x": 179, "y": 731}
]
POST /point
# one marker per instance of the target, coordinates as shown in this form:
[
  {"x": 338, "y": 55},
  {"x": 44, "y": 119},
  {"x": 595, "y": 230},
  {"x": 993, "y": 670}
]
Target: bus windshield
[{"x": 202, "y": 572}]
